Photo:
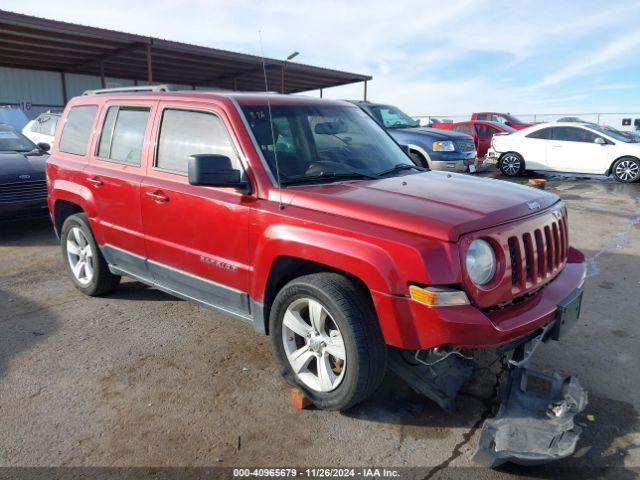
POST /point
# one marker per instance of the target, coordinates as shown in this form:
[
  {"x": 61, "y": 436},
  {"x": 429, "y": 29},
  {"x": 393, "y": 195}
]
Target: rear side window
[
  {"x": 544, "y": 134},
  {"x": 464, "y": 128},
  {"x": 45, "y": 125},
  {"x": 185, "y": 132},
  {"x": 122, "y": 135},
  {"x": 572, "y": 134},
  {"x": 77, "y": 128}
]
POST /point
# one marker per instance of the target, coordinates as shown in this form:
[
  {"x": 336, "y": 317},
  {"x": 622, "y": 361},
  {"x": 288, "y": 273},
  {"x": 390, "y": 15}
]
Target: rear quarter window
[
  {"x": 77, "y": 128},
  {"x": 122, "y": 136},
  {"x": 542, "y": 134}
]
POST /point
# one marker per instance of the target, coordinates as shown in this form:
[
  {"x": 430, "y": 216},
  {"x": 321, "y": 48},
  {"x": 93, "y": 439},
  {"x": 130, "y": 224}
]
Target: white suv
[
  {"x": 567, "y": 147},
  {"x": 42, "y": 129}
]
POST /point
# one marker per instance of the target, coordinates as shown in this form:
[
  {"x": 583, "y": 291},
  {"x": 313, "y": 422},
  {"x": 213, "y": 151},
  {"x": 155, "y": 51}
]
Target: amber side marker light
[{"x": 438, "y": 296}]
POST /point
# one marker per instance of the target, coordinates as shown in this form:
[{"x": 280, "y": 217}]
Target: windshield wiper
[
  {"x": 327, "y": 176},
  {"x": 399, "y": 167}
]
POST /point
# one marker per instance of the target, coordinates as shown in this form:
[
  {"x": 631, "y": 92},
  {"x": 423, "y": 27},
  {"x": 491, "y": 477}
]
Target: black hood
[{"x": 15, "y": 166}]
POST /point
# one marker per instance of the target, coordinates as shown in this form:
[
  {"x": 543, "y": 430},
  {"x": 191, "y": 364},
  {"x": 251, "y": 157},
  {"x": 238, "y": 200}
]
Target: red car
[
  {"x": 481, "y": 131},
  {"x": 304, "y": 218},
  {"x": 502, "y": 118}
]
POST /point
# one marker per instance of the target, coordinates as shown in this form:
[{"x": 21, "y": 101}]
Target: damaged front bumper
[{"x": 535, "y": 422}]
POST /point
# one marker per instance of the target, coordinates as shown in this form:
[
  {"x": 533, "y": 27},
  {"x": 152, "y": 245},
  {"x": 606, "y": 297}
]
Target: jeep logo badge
[{"x": 533, "y": 205}]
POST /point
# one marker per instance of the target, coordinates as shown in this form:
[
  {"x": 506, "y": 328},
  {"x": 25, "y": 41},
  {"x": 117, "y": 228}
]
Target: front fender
[{"x": 370, "y": 263}]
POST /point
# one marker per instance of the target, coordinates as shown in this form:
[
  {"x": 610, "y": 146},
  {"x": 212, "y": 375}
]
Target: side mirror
[
  {"x": 508, "y": 124},
  {"x": 45, "y": 147},
  {"x": 215, "y": 171},
  {"x": 600, "y": 141}
]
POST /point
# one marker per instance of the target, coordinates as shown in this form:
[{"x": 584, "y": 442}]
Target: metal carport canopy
[{"x": 42, "y": 44}]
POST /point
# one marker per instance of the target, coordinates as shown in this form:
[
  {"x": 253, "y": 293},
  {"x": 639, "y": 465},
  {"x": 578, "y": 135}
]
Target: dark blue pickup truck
[{"x": 429, "y": 147}]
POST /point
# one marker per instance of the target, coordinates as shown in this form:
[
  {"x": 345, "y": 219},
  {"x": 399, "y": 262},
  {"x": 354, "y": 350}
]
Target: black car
[{"x": 23, "y": 189}]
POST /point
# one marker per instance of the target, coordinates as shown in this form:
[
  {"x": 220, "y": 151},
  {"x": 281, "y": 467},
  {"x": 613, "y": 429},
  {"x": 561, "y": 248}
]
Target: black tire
[
  {"x": 353, "y": 313},
  {"x": 626, "y": 170},
  {"x": 102, "y": 280},
  {"x": 418, "y": 159},
  {"x": 512, "y": 164}
]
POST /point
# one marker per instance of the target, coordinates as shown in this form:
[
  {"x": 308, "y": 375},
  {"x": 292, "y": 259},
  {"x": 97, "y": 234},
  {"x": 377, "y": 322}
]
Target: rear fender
[{"x": 77, "y": 194}]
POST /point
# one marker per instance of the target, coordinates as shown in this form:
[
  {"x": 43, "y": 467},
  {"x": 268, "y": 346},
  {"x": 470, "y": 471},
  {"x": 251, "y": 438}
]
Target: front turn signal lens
[{"x": 438, "y": 296}]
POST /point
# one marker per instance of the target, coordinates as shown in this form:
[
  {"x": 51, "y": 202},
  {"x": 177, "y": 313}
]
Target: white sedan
[{"x": 567, "y": 147}]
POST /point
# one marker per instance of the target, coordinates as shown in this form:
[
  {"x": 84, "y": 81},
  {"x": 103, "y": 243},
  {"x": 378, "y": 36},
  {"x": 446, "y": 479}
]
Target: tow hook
[{"x": 535, "y": 421}]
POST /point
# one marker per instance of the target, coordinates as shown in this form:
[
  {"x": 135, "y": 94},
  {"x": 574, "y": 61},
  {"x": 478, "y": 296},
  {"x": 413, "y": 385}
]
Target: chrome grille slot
[
  {"x": 536, "y": 256},
  {"x": 23, "y": 191},
  {"x": 466, "y": 145}
]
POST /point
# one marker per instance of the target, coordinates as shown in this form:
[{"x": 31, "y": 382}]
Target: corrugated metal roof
[{"x": 39, "y": 43}]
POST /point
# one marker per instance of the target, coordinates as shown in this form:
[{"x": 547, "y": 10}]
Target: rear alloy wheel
[
  {"x": 511, "y": 165},
  {"x": 86, "y": 266},
  {"x": 80, "y": 256},
  {"x": 326, "y": 340},
  {"x": 626, "y": 170}
]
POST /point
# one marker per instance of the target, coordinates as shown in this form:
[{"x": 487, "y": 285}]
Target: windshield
[
  {"x": 322, "y": 142},
  {"x": 392, "y": 117},
  {"x": 511, "y": 119},
  {"x": 12, "y": 141},
  {"x": 504, "y": 127},
  {"x": 612, "y": 132}
]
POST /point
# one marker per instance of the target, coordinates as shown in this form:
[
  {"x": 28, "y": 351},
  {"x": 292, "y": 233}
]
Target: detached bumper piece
[
  {"x": 535, "y": 421},
  {"x": 439, "y": 379}
]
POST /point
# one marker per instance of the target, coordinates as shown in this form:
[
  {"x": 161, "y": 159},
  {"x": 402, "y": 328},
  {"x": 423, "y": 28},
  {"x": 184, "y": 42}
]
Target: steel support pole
[
  {"x": 149, "y": 65},
  {"x": 63, "y": 82},
  {"x": 282, "y": 78},
  {"x": 103, "y": 84},
  {"x": 365, "y": 90}
]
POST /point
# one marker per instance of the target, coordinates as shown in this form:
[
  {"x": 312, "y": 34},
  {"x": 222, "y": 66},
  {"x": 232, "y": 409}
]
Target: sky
[{"x": 440, "y": 58}]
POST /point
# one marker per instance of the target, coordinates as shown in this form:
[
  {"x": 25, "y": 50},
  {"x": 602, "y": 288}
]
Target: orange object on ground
[
  {"x": 537, "y": 182},
  {"x": 299, "y": 400}
]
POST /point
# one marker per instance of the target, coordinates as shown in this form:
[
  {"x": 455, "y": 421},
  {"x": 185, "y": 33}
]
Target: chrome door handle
[
  {"x": 95, "y": 181},
  {"x": 157, "y": 196}
]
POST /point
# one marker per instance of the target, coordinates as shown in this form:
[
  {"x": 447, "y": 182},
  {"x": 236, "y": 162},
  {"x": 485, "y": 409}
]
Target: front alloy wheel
[
  {"x": 314, "y": 345},
  {"x": 511, "y": 164},
  {"x": 626, "y": 170},
  {"x": 326, "y": 339}
]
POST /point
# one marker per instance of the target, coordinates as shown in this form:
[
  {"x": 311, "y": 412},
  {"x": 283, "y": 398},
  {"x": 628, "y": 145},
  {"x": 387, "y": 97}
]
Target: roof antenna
[{"x": 273, "y": 136}]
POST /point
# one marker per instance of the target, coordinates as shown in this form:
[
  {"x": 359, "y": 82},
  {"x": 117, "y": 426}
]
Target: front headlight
[
  {"x": 443, "y": 146},
  {"x": 481, "y": 262}
]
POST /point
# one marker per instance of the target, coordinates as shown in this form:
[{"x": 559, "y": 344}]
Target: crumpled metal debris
[{"x": 535, "y": 422}]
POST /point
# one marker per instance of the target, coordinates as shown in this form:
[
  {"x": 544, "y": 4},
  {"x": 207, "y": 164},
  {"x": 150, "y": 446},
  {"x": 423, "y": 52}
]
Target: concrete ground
[{"x": 139, "y": 378}]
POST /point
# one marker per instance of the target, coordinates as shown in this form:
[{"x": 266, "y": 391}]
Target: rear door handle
[
  {"x": 95, "y": 181},
  {"x": 157, "y": 196}
]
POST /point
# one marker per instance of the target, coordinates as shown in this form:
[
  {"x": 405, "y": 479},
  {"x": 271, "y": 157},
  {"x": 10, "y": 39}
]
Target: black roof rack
[{"x": 141, "y": 88}]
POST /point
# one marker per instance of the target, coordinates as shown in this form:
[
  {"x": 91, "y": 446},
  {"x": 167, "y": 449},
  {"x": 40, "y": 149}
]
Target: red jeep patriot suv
[{"x": 305, "y": 219}]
